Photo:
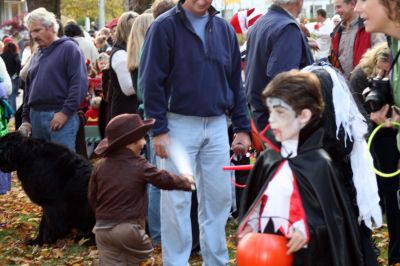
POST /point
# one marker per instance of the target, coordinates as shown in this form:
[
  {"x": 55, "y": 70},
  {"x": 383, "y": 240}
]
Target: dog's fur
[{"x": 54, "y": 178}]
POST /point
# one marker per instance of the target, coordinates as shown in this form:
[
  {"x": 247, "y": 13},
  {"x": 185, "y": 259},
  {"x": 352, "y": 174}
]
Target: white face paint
[{"x": 284, "y": 123}]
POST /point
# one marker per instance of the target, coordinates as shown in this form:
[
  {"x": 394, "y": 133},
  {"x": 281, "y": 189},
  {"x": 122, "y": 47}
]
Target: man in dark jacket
[
  {"x": 275, "y": 44},
  {"x": 190, "y": 75},
  {"x": 349, "y": 38},
  {"x": 56, "y": 84}
]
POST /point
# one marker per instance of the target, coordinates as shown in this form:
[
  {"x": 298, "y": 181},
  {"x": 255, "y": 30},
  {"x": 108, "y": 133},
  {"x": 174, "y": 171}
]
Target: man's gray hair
[
  {"x": 284, "y": 2},
  {"x": 46, "y": 18}
]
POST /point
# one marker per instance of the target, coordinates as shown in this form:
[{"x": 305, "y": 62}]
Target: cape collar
[{"x": 310, "y": 138}]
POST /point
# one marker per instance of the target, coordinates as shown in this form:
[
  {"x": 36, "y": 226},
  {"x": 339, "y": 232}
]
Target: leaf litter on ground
[{"x": 19, "y": 220}]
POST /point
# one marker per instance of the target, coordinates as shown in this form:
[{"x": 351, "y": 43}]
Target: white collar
[{"x": 289, "y": 148}]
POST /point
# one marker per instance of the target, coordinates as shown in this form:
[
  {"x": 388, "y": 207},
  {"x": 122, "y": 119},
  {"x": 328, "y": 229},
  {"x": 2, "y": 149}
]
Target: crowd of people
[{"x": 177, "y": 77}]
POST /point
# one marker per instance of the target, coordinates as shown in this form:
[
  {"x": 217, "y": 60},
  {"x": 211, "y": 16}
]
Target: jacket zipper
[{"x": 208, "y": 30}]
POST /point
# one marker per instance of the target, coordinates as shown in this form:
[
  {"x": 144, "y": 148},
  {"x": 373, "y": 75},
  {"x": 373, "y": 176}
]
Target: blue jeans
[
  {"x": 40, "y": 121},
  {"x": 153, "y": 213},
  {"x": 205, "y": 139},
  {"x": 153, "y": 195}
]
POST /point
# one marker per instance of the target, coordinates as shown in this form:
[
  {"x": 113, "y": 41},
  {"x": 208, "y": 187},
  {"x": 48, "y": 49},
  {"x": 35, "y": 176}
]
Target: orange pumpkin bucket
[{"x": 257, "y": 249}]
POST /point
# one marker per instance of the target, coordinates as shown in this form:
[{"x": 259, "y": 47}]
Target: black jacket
[
  {"x": 13, "y": 63},
  {"x": 120, "y": 103}
]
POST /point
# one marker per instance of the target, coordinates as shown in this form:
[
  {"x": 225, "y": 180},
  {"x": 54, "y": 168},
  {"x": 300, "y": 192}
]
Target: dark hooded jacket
[{"x": 57, "y": 79}]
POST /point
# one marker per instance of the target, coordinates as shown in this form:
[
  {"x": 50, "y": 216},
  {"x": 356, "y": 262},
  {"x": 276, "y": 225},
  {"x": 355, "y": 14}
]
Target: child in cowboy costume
[
  {"x": 117, "y": 191},
  {"x": 293, "y": 189}
]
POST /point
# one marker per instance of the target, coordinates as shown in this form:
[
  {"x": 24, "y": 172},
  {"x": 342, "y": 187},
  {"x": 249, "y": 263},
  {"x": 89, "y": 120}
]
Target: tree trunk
[
  {"x": 140, "y": 6},
  {"x": 50, "y": 5}
]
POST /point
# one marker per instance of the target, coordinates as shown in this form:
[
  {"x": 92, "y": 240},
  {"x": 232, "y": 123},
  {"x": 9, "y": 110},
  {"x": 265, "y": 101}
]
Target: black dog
[{"x": 54, "y": 178}]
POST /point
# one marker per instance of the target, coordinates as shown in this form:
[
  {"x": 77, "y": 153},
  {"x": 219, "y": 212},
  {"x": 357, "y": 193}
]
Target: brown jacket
[{"x": 117, "y": 186}]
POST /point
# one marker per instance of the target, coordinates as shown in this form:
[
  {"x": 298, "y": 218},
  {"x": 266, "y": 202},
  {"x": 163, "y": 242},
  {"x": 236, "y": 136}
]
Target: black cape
[{"x": 334, "y": 233}]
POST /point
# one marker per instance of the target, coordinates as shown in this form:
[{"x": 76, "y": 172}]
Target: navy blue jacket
[
  {"x": 57, "y": 79},
  {"x": 179, "y": 74},
  {"x": 275, "y": 44}
]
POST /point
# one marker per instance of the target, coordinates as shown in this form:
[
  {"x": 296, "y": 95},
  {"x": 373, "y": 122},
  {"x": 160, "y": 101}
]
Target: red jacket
[
  {"x": 362, "y": 43},
  {"x": 92, "y": 117}
]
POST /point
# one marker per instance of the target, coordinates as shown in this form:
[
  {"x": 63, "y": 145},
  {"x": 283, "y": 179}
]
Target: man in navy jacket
[
  {"x": 56, "y": 84},
  {"x": 190, "y": 77},
  {"x": 275, "y": 44}
]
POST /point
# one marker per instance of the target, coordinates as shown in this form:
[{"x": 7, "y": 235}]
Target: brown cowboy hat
[{"x": 123, "y": 130}]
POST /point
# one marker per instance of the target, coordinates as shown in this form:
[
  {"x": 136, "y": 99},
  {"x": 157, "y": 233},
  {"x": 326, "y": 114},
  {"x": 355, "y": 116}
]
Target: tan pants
[{"x": 125, "y": 244}]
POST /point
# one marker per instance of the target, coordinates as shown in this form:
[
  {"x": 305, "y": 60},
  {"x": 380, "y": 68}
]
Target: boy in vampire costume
[{"x": 293, "y": 188}]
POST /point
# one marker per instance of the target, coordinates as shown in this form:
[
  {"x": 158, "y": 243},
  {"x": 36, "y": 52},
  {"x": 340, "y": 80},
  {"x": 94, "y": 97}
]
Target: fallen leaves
[
  {"x": 381, "y": 239},
  {"x": 19, "y": 219},
  {"x": 83, "y": 241}
]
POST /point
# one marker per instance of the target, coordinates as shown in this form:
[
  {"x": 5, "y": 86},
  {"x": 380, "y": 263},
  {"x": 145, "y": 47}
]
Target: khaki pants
[{"x": 124, "y": 244}]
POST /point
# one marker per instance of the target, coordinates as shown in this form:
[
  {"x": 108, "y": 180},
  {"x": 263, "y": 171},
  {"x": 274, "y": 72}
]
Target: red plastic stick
[{"x": 244, "y": 167}]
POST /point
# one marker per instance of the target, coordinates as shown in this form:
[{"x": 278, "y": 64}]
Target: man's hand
[
  {"x": 190, "y": 179},
  {"x": 379, "y": 116},
  {"x": 395, "y": 114},
  {"x": 25, "y": 129},
  {"x": 313, "y": 43},
  {"x": 247, "y": 229},
  {"x": 296, "y": 242},
  {"x": 241, "y": 143},
  {"x": 159, "y": 143},
  {"x": 58, "y": 121}
]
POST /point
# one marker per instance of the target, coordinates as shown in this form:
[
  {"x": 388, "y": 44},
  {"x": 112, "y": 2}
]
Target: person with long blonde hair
[
  {"x": 136, "y": 39},
  {"x": 124, "y": 99},
  {"x": 135, "y": 42}
]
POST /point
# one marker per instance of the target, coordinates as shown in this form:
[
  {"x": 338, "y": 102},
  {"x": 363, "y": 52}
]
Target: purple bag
[
  {"x": 3, "y": 94},
  {"x": 5, "y": 182}
]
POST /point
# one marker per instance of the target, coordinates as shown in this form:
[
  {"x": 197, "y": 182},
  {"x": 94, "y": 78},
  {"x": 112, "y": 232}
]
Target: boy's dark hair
[
  {"x": 72, "y": 30},
  {"x": 321, "y": 12},
  {"x": 301, "y": 90}
]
